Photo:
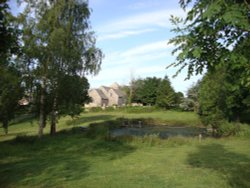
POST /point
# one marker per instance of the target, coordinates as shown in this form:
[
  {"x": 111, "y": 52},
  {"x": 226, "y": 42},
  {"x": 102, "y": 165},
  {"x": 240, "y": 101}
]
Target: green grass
[{"x": 74, "y": 158}]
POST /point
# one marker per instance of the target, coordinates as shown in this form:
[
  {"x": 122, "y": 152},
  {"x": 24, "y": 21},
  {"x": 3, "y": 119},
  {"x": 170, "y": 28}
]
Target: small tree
[{"x": 166, "y": 96}]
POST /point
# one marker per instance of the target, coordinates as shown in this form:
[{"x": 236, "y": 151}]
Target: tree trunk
[
  {"x": 5, "y": 126},
  {"x": 53, "y": 117},
  {"x": 42, "y": 118}
]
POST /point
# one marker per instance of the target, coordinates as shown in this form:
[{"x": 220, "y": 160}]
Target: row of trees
[
  {"x": 215, "y": 37},
  {"x": 48, "y": 49},
  {"x": 154, "y": 92}
]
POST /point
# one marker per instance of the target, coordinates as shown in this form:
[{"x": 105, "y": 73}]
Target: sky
[{"x": 134, "y": 35}]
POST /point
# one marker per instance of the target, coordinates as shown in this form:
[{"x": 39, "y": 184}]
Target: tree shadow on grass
[
  {"x": 51, "y": 161},
  {"x": 235, "y": 166},
  {"x": 89, "y": 119}
]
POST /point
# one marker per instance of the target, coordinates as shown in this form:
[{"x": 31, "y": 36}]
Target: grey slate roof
[
  {"x": 101, "y": 94},
  {"x": 119, "y": 92}
]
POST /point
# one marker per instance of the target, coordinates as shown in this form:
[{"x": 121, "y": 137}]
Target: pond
[{"x": 163, "y": 131}]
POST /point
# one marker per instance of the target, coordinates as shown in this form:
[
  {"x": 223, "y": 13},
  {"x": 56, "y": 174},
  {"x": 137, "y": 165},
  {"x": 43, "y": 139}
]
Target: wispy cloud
[
  {"x": 140, "y": 54},
  {"x": 141, "y": 59},
  {"x": 123, "y": 34},
  {"x": 137, "y": 24},
  {"x": 147, "y": 48},
  {"x": 144, "y": 4}
]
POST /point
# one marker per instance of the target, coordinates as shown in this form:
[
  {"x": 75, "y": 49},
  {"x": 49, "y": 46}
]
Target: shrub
[
  {"x": 227, "y": 129},
  {"x": 95, "y": 109},
  {"x": 139, "y": 109}
]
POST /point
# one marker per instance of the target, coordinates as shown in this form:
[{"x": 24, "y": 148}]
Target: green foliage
[
  {"x": 214, "y": 37},
  {"x": 228, "y": 129},
  {"x": 166, "y": 96},
  {"x": 59, "y": 49},
  {"x": 95, "y": 109},
  {"x": 146, "y": 90},
  {"x": 9, "y": 34},
  {"x": 10, "y": 79},
  {"x": 220, "y": 100},
  {"x": 138, "y": 109},
  {"x": 191, "y": 102},
  {"x": 10, "y": 93},
  {"x": 213, "y": 33},
  {"x": 73, "y": 98},
  {"x": 155, "y": 92}
]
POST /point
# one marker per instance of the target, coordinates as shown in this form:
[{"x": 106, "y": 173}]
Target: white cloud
[
  {"x": 122, "y": 34},
  {"x": 144, "y": 60},
  {"x": 143, "y": 4},
  {"x": 147, "y": 48},
  {"x": 135, "y": 24},
  {"x": 156, "y": 18},
  {"x": 150, "y": 52}
]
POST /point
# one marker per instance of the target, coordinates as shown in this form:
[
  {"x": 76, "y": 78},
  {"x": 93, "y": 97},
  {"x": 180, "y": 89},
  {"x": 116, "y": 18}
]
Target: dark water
[{"x": 162, "y": 131}]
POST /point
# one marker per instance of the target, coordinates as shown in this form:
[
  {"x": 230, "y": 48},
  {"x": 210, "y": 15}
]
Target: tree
[
  {"x": 10, "y": 82},
  {"x": 155, "y": 92},
  {"x": 192, "y": 96},
  {"x": 215, "y": 33},
  {"x": 219, "y": 99},
  {"x": 8, "y": 34},
  {"x": 146, "y": 90},
  {"x": 215, "y": 37},
  {"x": 166, "y": 96},
  {"x": 10, "y": 93},
  {"x": 179, "y": 98},
  {"x": 58, "y": 42}
]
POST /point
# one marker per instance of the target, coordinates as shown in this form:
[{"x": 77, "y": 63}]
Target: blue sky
[{"x": 133, "y": 35}]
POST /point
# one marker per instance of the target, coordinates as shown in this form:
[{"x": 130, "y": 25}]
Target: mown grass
[{"x": 77, "y": 158}]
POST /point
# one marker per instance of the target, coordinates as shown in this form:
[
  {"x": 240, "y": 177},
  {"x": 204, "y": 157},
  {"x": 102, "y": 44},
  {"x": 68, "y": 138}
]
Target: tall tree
[
  {"x": 58, "y": 41},
  {"x": 166, "y": 96},
  {"x": 10, "y": 82},
  {"x": 215, "y": 37},
  {"x": 222, "y": 98}
]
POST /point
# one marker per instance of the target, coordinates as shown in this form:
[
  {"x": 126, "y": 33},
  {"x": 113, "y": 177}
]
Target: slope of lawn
[{"x": 74, "y": 158}]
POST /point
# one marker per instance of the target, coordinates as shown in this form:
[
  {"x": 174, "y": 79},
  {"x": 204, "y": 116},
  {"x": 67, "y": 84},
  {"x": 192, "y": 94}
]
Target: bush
[
  {"x": 95, "y": 109},
  {"x": 228, "y": 129},
  {"x": 223, "y": 128},
  {"x": 139, "y": 109},
  {"x": 110, "y": 109}
]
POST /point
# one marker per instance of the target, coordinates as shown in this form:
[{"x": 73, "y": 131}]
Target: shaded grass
[
  {"x": 28, "y": 161},
  {"x": 88, "y": 158},
  {"x": 73, "y": 159},
  {"x": 233, "y": 167}
]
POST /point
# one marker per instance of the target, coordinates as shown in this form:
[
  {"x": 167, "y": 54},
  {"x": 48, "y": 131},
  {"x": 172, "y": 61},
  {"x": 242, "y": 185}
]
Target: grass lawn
[{"x": 74, "y": 159}]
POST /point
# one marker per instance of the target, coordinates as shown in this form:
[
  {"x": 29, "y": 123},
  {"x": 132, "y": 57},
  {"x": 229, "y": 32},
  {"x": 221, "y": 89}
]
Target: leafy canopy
[{"x": 214, "y": 33}]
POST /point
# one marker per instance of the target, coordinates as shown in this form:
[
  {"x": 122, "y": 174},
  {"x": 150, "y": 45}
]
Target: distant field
[{"x": 73, "y": 158}]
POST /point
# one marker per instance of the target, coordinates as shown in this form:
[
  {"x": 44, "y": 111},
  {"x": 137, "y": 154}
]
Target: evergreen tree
[{"x": 166, "y": 96}]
